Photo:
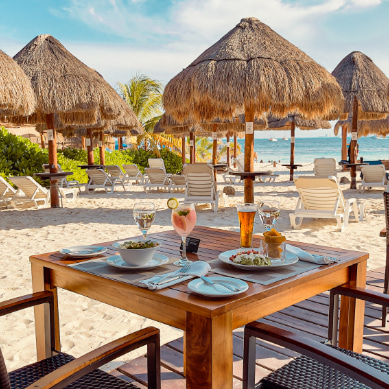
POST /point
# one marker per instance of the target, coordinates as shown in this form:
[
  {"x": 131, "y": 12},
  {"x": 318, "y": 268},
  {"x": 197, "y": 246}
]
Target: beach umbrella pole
[
  {"x": 353, "y": 144},
  {"x": 183, "y": 149},
  {"x": 89, "y": 148},
  {"x": 344, "y": 143},
  {"x": 249, "y": 155},
  {"x": 228, "y": 149},
  {"x": 102, "y": 149},
  {"x": 235, "y": 149},
  {"x": 191, "y": 147},
  {"x": 292, "y": 139}
]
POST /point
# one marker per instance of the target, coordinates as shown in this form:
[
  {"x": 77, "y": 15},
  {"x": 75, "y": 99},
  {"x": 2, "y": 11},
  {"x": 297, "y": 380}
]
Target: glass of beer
[{"x": 246, "y": 214}]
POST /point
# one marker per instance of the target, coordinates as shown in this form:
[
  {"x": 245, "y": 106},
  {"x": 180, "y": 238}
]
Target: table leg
[
  {"x": 352, "y": 312},
  {"x": 248, "y": 190},
  {"x": 40, "y": 282},
  {"x": 54, "y": 194},
  {"x": 353, "y": 175},
  {"x": 208, "y": 351}
]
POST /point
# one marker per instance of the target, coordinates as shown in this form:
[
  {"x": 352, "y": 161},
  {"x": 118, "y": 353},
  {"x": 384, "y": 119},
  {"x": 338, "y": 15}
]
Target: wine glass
[
  {"x": 183, "y": 220},
  {"x": 144, "y": 215},
  {"x": 269, "y": 212}
]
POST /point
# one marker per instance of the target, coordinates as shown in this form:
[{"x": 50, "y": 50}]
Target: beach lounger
[
  {"x": 29, "y": 193},
  {"x": 373, "y": 176},
  {"x": 177, "y": 182},
  {"x": 115, "y": 173},
  {"x": 200, "y": 184},
  {"x": 6, "y": 192},
  {"x": 157, "y": 163},
  {"x": 325, "y": 167},
  {"x": 99, "y": 179},
  {"x": 63, "y": 183},
  {"x": 156, "y": 178},
  {"x": 323, "y": 198},
  {"x": 61, "y": 370},
  {"x": 133, "y": 173}
]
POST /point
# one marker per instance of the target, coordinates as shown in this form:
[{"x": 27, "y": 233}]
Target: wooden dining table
[{"x": 207, "y": 322}]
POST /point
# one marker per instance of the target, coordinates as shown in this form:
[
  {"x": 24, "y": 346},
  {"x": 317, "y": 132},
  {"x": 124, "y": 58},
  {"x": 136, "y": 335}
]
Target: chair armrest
[
  {"x": 320, "y": 352},
  {"x": 89, "y": 362},
  {"x": 26, "y": 301},
  {"x": 362, "y": 294}
]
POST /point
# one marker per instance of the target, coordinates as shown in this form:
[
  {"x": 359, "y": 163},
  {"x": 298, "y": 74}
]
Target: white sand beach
[{"x": 86, "y": 324}]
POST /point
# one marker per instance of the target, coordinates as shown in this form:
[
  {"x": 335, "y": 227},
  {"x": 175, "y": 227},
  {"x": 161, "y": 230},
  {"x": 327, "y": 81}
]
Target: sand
[{"x": 86, "y": 324}]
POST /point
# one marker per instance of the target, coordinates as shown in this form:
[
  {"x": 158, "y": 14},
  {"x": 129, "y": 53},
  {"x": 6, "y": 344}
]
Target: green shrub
[
  {"x": 76, "y": 154},
  {"x": 114, "y": 157}
]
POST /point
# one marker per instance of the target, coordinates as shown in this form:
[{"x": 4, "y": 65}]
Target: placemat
[
  {"x": 263, "y": 277},
  {"x": 99, "y": 267}
]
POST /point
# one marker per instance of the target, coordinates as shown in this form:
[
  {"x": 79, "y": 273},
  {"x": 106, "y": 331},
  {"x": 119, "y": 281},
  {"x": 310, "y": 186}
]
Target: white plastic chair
[
  {"x": 64, "y": 183},
  {"x": 325, "y": 167},
  {"x": 6, "y": 192},
  {"x": 323, "y": 198},
  {"x": 99, "y": 179},
  {"x": 200, "y": 184},
  {"x": 156, "y": 178},
  {"x": 177, "y": 182},
  {"x": 373, "y": 176},
  {"x": 157, "y": 163},
  {"x": 115, "y": 173},
  {"x": 133, "y": 173},
  {"x": 29, "y": 192}
]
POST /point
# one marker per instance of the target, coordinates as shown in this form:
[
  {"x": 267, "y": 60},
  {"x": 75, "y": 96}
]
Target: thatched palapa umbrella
[
  {"x": 365, "y": 88},
  {"x": 253, "y": 70},
  {"x": 16, "y": 94},
  {"x": 65, "y": 86}
]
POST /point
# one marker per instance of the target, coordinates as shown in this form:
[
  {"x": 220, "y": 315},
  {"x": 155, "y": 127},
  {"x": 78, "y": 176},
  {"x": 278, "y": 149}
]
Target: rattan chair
[
  {"x": 63, "y": 371},
  {"x": 386, "y": 279},
  {"x": 320, "y": 365}
]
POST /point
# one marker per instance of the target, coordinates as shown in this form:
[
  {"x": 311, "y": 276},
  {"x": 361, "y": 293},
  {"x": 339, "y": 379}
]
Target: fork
[
  {"x": 211, "y": 282},
  {"x": 179, "y": 273}
]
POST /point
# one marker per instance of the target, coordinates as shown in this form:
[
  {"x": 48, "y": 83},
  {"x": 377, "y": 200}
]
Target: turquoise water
[{"x": 307, "y": 149}]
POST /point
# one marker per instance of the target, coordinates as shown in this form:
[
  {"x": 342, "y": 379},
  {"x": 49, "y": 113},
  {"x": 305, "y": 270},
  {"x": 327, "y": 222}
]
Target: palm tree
[
  {"x": 223, "y": 150},
  {"x": 144, "y": 96},
  {"x": 204, "y": 149}
]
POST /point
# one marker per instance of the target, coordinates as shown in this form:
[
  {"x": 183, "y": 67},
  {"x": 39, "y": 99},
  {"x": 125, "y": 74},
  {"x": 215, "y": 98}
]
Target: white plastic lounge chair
[
  {"x": 68, "y": 194},
  {"x": 133, "y": 173},
  {"x": 239, "y": 161},
  {"x": 157, "y": 163},
  {"x": 323, "y": 198},
  {"x": 325, "y": 167},
  {"x": 29, "y": 192},
  {"x": 156, "y": 178},
  {"x": 200, "y": 184},
  {"x": 177, "y": 182},
  {"x": 115, "y": 173},
  {"x": 6, "y": 192},
  {"x": 63, "y": 183},
  {"x": 99, "y": 179},
  {"x": 373, "y": 176},
  {"x": 269, "y": 177}
]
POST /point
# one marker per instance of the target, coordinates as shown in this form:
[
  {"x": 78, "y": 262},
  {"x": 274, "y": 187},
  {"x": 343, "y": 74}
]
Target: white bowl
[{"x": 135, "y": 257}]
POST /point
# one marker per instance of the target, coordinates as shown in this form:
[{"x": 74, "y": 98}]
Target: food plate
[
  {"x": 290, "y": 259},
  {"x": 200, "y": 287},
  {"x": 157, "y": 260},
  {"x": 83, "y": 251}
]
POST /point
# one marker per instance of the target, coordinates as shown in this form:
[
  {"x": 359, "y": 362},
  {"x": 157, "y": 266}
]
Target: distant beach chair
[
  {"x": 177, "y": 182},
  {"x": 6, "y": 192},
  {"x": 323, "y": 198},
  {"x": 99, "y": 179},
  {"x": 325, "y": 167},
  {"x": 115, "y": 173},
  {"x": 156, "y": 178},
  {"x": 63, "y": 183},
  {"x": 200, "y": 184},
  {"x": 373, "y": 176},
  {"x": 29, "y": 192},
  {"x": 157, "y": 163},
  {"x": 133, "y": 173}
]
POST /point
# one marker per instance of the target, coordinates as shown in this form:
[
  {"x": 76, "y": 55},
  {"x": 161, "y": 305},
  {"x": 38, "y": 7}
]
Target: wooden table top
[
  {"x": 383, "y": 232},
  {"x": 249, "y": 174},
  {"x": 294, "y": 166},
  {"x": 53, "y": 176}
]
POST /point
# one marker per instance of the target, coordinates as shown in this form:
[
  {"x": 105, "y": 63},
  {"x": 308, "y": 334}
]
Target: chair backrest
[
  {"x": 98, "y": 177},
  {"x": 5, "y": 187},
  {"x": 114, "y": 170},
  {"x": 178, "y": 179},
  {"x": 156, "y": 175},
  {"x": 324, "y": 167},
  {"x": 239, "y": 160},
  {"x": 320, "y": 194},
  {"x": 373, "y": 173},
  {"x": 29, "y": 187},
  {"x": 157, "y": 163},
  {"x": 132, "y": 170},
  {"x": 200, "y": 180}
]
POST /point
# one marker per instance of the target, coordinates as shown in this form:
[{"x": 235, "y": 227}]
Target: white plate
[
  {"x": 289, "y": 260},
  {"x": 157, "y": 260},
  {"x": 83, "y": 251},
  {"x": 200, "y": 287}
]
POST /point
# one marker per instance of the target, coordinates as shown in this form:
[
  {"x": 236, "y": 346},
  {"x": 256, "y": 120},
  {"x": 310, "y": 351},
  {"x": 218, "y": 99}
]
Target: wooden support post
[
  {"x": 191, "y": 147},
  {"x": 52, "y": 141},
  {"x": 42, "y": 141},
  {"x": 228, "y": 148},
  {"x": 120, "y": 143},
  {"x": 353, "y": 144},
  {"x": 83, "y": 143},
  {"x": 214, "y": 150},
  {"x": 249, "y": 155},
  {"x": 344, "y": 143},
  {"x": 183, "y": 149},
  {"x": 292, "y": 140},
  {"x": 102, "y": 148},
  {"x": 89, "y": 148},
  {"x": 235, "y": 148},
  {"x": 194, "y": 148}
]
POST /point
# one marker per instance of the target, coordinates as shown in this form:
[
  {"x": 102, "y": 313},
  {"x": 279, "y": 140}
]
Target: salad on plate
[{"x": 251, "y": 258}]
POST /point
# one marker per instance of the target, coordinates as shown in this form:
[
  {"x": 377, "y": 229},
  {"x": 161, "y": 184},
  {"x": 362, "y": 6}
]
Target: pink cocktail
[{"x": 183, "y": 221}]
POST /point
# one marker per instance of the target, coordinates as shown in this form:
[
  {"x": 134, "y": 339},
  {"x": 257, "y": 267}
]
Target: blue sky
[{"x": 161, "y": 37}]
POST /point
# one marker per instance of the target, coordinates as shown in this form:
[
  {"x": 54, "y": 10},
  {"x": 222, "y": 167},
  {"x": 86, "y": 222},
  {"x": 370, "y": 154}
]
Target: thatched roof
[
  {"x": 365, "y": 127},
  {"x": 65, "y": 85},
  {"x": 16, "y": 94},
  {"x": 251, "y": 66},
  {"x": 359, "y": 76},
  {"x": 301, "y": 123}
]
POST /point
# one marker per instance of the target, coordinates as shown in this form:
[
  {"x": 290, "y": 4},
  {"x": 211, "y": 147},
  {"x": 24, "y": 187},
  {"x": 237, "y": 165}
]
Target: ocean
[{"x": 307, "y": 149}]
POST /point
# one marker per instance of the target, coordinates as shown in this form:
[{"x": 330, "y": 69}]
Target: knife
[{"x": 169, "y": 279}]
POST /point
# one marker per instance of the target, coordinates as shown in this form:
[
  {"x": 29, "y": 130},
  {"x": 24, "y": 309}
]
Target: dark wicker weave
[
  {"x": 98, "y": 379},
  {"x": 306, "y": 373},
  {"x": 386, "y": 282}
]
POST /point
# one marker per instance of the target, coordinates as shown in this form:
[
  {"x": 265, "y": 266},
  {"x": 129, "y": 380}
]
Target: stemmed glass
[
  {"x": 144, "y": 215},
  {"x": 183, "y": 220},
  {"x": 269, "y": 212}
]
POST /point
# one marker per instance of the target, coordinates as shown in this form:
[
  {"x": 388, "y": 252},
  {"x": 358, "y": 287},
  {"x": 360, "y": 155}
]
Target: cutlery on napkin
[
  {"x": 305, "y": 256},
  {"x": 197, "y": 269}
]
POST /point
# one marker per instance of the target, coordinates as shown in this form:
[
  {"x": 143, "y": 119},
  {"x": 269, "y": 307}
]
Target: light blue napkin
[{"x": 307, "y": 257}]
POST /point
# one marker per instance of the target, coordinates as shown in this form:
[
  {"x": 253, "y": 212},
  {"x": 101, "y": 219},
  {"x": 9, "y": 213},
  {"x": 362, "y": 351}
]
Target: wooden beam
[
  {"x": 292, "y": 140},
  {"x": 102, "y": 149},
  {"x": 89, "y": 148},
  {"x": 191, "y": 147},
  {"x": 83, "y": 143},
  {"x": 235, "y": 148},
  {"x": 353, "y": 144},
  {"x": 228, "y": 148},
  {"x": 344, "y": 143},
  {"x": 183, "y": 149},
  {"x": 249, "y": 155}
]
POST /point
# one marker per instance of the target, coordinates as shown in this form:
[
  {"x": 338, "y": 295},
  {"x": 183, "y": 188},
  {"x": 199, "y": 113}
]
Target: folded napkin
[
  {"x": 305, "y": 256},
  {"x": 197, "y": 269}
]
